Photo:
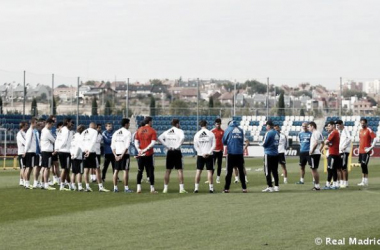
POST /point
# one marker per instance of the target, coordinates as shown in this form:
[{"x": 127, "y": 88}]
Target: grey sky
[{"x": 289, "y": 41}]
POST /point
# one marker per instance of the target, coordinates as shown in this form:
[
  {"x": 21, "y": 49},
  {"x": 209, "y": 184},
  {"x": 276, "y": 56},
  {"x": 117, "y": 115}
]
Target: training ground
[{"x": 290, "y": 219}]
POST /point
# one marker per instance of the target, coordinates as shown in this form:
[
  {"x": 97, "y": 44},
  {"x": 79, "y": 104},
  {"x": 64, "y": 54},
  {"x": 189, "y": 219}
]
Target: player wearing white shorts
[
  {"x": 47, "y": 148},
  {"x": 316, "y": 146}
]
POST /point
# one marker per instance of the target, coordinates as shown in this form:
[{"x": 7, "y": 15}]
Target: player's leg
[
  {"x": 126, "y": 164},
  {"x": 274, "y": 170},
  {"x": 303, "y": 162},
  {"x": 140, "y": 166},
  {"x": 229, "y": 169},
  {"x": 96, "y": 160},
  {"x": 200, "y": 166},
  {"x": 150, "y": 170},
  {"x": 239, "y": 161},
  {"x": 314, "y": 160},
  {"x": 169, "y": 166},
  {"x": 267, "y": 172},
  {"x": 219, "y": 162},
  {"x": 116, "y": 175},
  {"x": 210, "y": 168},
  {"x": 107, "y": 161}
]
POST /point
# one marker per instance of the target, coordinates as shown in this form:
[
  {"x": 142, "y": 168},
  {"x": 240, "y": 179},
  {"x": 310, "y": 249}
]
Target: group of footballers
[
  {"x": 312, "y": 144},
  {"x": 41, "y": 149}
]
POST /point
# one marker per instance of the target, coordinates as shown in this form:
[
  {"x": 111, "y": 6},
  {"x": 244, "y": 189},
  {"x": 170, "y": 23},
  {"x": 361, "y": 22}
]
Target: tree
[
  {"x": 156, "y": 82},
  {"x": 256, "y": 87},
  {"x": 54, "y": 106},
  {"x": 179, "y": 107},
  {"x": 94, "y": 109},
  {"x": 302, "y": 112},
  {"x": 34, "y": 111},
  {"x": 152, "y": 106},
  {"x": 1, "y": 106},
  {"x": 211, "y": 102},
  {"x": 281, "y": 105},
  {"x": 43, "y": 97},
  {"x": 108, "y": 108}
]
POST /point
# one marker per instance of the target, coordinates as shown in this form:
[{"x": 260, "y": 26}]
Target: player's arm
[
  {"x": 162, "y": 138},
  {"x": 347, "y": 141},
  {"x": 213, "y": 144},
  {"x": 28, "y": 140},
  {"x": 127, "y": 142},
  {"x": 181, "y": 138},
  {"x": 265, "y": 142},
  {"x": 374, "y": 141},
  {"x": 106, "y": 138}
]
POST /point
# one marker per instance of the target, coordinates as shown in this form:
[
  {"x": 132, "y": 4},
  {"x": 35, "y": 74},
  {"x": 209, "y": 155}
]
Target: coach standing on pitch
[
  {"x": 270, "y": 144},
  {"x": 233, "y": 138},
  {"x": 304, "y": 138}
]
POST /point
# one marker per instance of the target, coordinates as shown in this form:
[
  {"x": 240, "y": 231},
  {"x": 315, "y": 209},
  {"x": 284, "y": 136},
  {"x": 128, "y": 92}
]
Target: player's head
[
  {"x": 49, "y": 123},
  {"x": 92, "y": 125},
  {"x": 304, "y": 126},
  {"x": 330, "y": 126},
  {"x": 99, "y": 127},
  {"x": 203, "y": 123},
  {"x": 148, "y": 121},
  {"x": 33, "y": 122},
  {"x": 59, "y": 125},
  {"x": 125, "y": 123},
  {"x": 269, "y": 125},
  {"x": 68, "y": 123},
  {"x": 277, "y": 128},
  {"x": 339, "y": 124},
  {"x": 363, "y": 122},
  {"x": 142, "y": 124},
  {"x": 41, "y": 123},
  {"x": 23, "y": 125},
  {"x": 218, "y": 123},
  {"x": 175, "y": 122},
  {"x": 312, "y": 126},
  {"x": 80, "y": 129},
  {"x": 109, "y": 126},
  {"x": 53, "y": 117}
]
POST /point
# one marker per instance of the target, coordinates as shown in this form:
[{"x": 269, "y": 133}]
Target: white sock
[
  {"x": 196, "y": 186},
  {"x": 62, "y": 185},
  {"x": 151, "y": 188},
  {"x": 236, "y": 178},
  {"x": 301, "y": 180},
  {"x": 46, "y": 185},
  {"x": 100, "y": 186},
  {"x": 317, "y": 186},
  {"x": 365, "y": 180},
  {"x": 80, "y": 186},
  {"x": 126, "y": 188},
  {"x": 217, "y": 178},
  {"x": 73, "y": 186},
  {"x": 211, "y": 186},
  {"x": 35, "y": 183},
  {"x": 285, "y": 179},
  {"x": 138, "y": 187},
  {"x": 87, "y": 185},
  {"x": 165, "y": 187},
  {"x": 335, "y": 184},
  {"x": 346, "y": 183},
  {"x": 327, "y": 184},
  {"x": 27, "y": 184},
  {"x": 181, "y": 187},
  {"x": 115, "y": 188}
]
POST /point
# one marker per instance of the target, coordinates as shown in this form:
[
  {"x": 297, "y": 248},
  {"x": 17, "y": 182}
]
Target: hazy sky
[{"x": 290, "y": 41}]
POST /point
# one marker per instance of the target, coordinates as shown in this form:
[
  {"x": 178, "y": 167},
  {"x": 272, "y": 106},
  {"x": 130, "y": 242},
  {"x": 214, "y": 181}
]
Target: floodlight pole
[
  {"x": 234, "y": 98},
  {"x": 197, "y": 102},
  {"x": 23, "y": 104},
  {"x": 52, "y": 94},
  {"x": 127, "y": 100},
  {"x": 77, "y": 102},
  {"x": 267, "y": 97},
  {"x": 340, "y": 98}
]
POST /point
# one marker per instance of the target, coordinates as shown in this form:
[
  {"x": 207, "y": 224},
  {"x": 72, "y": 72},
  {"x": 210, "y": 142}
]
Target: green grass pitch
[{"x": 290, "y": 219}]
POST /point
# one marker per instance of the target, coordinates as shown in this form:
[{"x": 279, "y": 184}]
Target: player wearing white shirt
[
  {"x": 30, "y": 151},
  {"x": 204, "y": 144},
  {"x": 62, "y": 146},
  {"x": 77, "y": 158},
  {"x": 47, "y": 148},
  {"x": 282, "y": 146},
  {"x": 316, "y": 146},
  {"x": 89, "y": 137},
  {"x": 172, "y": 140},
  {"x": 344, "y": 150},
  {"x": 121, "y": 140},
  {"x": 21, "y": 149},
  {"x": 99, "y": 141}
]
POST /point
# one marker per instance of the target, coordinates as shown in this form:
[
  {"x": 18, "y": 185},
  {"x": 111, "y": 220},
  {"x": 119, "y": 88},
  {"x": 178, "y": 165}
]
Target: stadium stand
[
  {"x": 188, "y": 124},
  {"x": 352, "y": 123},
  {"x": 254, "y": 126}
]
